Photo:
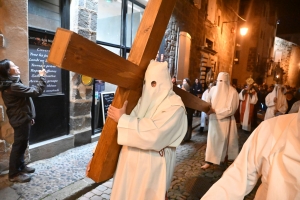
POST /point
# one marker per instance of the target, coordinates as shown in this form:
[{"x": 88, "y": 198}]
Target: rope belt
[{"x": 162, "y": 152}]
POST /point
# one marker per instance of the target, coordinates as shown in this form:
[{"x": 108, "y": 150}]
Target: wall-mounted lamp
[
  {"x": 1, "y": 40},
  {"x": 243, "y": 30}
]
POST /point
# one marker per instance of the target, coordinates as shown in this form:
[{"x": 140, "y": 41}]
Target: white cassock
[
  {"x": 246, "y": 123},
  {"x": 203, "y": 114},
  {"x": 295, "y": 107},
  {"x": 281, "y": 105},
  {"x": 272, "y": 152},
  {"x": 157, "y": 122},
  {"x": 225, "y": 100}
]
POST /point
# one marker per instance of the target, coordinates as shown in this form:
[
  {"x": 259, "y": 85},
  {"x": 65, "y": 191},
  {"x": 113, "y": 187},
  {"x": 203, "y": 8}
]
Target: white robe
[
  {"x": 217, "y": 137},
  {"x": 281, "y": 105},
  {"x": 250, "y": 100},
  {"x": 272, "y": 152},
  {"x": 203, "y": 114},
  {"x": 142, "y": 173},
  {"x": 295, "y": 107}
]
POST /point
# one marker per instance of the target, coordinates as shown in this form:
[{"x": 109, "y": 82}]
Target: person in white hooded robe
[
  {"x": 272, "y": 152},
  {"x": 222, "y": 137},
  {"x": 149, "y": 135},
  {"x": 276, "y": 102}
]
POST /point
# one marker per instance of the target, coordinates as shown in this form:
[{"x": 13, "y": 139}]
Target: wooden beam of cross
[{"x": 75, "y": 53}]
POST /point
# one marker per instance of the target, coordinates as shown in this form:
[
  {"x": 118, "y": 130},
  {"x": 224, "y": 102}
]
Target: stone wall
[
  {"x": 290, "y": 59},
  {"x": 83, "y": 22},
  {"x": 171, "y": 40},
  {"x": 293, "y": 78},
  {"x": 256, "y": 47},
  {"x": 188, "y": 18},
  {"x": 285, "y": 47},
  {"x": 15, "y": 33}
]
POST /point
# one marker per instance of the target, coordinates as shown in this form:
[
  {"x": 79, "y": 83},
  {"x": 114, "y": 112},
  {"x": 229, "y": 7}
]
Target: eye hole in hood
[{"x": 153, "y": 83}]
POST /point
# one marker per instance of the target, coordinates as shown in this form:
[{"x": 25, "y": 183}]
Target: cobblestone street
[
  {"x": 189, "y": 181},
  {"x": 63, "y": 176}
]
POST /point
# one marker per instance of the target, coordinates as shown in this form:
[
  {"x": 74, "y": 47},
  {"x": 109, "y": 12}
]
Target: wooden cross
[{"x": 73, "y": 52}]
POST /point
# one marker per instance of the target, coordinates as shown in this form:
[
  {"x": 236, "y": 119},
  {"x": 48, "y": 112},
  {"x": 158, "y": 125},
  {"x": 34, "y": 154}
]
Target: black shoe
[
  {"x": 27, "y": 169},
  {"x": 20, "y": 178},
  {"x": 201, "y": 129}
]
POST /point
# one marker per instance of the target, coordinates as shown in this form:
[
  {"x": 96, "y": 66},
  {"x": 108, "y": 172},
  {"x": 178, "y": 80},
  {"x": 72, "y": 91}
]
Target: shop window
[
  {"x": 109, "y": 21},
  {"x": 44, "y": 14},
  {"x": 133, "y": 18}
]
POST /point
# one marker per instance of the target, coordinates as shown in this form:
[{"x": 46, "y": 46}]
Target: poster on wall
[
  {"x": 39, "y": 47},
  {"x": 106, "y": 99}
]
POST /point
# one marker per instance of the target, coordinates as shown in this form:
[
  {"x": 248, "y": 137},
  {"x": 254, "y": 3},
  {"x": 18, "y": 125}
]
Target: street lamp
[{"x": 243, "y": 30}]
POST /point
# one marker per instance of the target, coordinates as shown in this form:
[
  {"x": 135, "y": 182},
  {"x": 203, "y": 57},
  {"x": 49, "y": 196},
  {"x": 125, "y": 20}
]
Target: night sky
[{"x": 289, "y": 16}]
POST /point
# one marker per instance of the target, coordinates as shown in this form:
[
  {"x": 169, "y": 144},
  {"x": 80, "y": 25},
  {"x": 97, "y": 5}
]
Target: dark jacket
[
  {"x": 197, "y": 89},
  {"x": 18, "y": 102}
]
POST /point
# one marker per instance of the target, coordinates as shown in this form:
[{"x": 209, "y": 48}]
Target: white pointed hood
[
  {"x": 152, "y": 97},
  {"x": 220, "y": 93}
]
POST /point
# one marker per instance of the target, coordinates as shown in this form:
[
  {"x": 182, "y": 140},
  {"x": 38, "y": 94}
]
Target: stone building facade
[
  {"x": 294, "y": 38},
  {"x": 14, "y": 31},
  {"x": 287, "y": 56},
  {"x": 212, "y": 47},
  {"x": 254, "y": 51},
  {"x": 84, "y": 22}
]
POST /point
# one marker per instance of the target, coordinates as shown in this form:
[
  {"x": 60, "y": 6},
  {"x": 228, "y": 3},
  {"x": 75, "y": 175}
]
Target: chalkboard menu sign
[
  {"x": 39, "y": 47},
  {"x": 106, "y": 99}
]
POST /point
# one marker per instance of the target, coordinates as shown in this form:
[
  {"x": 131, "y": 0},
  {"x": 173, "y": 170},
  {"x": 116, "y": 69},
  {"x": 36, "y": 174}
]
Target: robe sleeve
[
  {"x": 253, "y": 99},
  {"x": 241, "y": 177},
  {"x": 269, "y": 101},
  {"x": 230, "y": 108},
  {"x": 295, "y": 107},
  {"x": 241, "y": 96},
  {"x": 164, "y": 129},
  {"x": 284, "y": 107}
]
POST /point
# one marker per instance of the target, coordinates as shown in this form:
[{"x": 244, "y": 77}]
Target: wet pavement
[
  {"x": 58, "y": 173},
  {"x": 54, "y": 174},
  {"x": 189, "y": 180}
]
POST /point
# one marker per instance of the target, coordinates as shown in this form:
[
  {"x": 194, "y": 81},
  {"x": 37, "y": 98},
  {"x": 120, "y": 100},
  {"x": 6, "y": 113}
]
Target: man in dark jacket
[{"x": 21, "y": 113}]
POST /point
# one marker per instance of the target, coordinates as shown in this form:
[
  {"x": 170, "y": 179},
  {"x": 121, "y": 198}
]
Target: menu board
[
  {"x": 106, "y": 99},
  {"x": 39, "y": 47}
]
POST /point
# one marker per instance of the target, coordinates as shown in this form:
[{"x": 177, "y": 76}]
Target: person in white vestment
[
  {"x": 295, "y": 107},
  {"x": 149, "y": 135},
  {"x": 248, "y": 97},
  {"x": 222, "y": 137},
  {"x": 276, "y": 102},
  {"x": 272, "y": 152},
  {"x": 203, "y": 120}
]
